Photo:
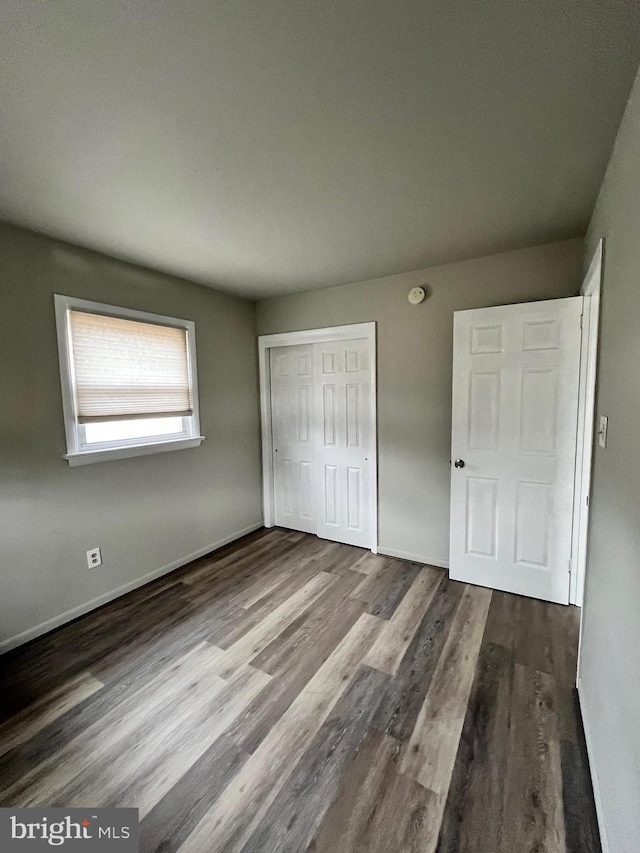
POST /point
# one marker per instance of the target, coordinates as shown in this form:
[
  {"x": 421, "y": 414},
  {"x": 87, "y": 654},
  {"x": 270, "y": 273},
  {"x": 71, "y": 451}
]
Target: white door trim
[
  {"x": 591, "y": 284},
  {"x": 365, "y": 331},
  {"x": 586, "y": 413}
]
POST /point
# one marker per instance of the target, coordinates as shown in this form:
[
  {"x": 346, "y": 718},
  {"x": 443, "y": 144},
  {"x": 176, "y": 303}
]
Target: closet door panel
[
  {"x": 293, "y": 418},
  {"x": 344, "y": 401}
]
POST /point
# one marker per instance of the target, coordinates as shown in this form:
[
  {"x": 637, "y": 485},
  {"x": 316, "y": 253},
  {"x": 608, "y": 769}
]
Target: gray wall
[
  {"x": 146, "y": 512},
  {"x": 414, "y": 370},
  {"x": 610, "y": 652}
]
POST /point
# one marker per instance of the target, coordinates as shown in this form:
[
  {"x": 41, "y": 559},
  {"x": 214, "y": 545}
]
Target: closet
[{"x": 323, "y": 439}]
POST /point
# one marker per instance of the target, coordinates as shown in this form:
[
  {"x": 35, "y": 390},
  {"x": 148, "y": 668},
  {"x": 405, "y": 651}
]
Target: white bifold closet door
[
  {"x": 294, "y": 452},
  {"x": 322, "y": 424}
]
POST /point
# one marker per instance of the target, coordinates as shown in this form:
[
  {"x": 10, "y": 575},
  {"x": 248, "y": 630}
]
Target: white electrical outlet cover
[{"x": 94, "y": 558}]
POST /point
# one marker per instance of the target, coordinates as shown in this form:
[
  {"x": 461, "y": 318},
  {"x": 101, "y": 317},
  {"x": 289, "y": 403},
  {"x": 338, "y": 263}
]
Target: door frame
[
  {"x": 359, "y": 331},
  {"x": 590, "y": 292}
]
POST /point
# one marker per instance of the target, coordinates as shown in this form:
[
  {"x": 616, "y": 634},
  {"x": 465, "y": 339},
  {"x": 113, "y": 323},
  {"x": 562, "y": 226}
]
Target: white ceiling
[{"x": 267, "y": 146}]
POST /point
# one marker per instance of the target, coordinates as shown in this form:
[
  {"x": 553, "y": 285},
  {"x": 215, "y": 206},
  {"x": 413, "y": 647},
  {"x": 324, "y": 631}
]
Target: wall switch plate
[
  {"x": 94, "y": 558},
  {"x": 602, "y": 431}
]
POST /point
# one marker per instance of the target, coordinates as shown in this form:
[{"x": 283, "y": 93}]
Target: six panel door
[
  {"x": 292, "y": 401},
  {"x": 344, "y": 442},
  {"x": 322, "y": 424},
  {"x": 515, "y": 408}
]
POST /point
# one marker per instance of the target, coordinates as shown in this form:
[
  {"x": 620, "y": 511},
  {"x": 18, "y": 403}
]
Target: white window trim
[{"x": 82, "y": 454}]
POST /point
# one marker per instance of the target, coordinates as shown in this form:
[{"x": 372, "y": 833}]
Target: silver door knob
[{"x": 459, "y": 463}]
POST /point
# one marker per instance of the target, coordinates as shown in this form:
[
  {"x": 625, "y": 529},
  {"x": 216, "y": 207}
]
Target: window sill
[{"x": 88, "y": 457}]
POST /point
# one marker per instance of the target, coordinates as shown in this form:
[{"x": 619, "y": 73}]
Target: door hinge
[
  {"x": 581, "y": 316},
  {"x": 570, "y": 583}
]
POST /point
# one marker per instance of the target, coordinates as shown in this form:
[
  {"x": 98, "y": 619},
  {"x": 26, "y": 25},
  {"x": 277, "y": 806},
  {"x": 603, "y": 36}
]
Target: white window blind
[{"x": 128, "y": 369}]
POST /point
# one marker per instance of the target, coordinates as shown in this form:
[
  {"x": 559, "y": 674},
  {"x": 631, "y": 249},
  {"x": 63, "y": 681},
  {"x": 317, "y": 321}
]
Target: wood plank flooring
[{"x": 288, "y": 694}]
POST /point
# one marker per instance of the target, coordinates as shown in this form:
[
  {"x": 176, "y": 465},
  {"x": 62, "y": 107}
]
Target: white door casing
[
  {"x": 336, "y": 457},
  {"x": 515, "y": 404},
  {"x": 586, "y": 416}
]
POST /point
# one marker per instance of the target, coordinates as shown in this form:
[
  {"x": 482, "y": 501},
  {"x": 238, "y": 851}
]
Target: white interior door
[
  {"x": 344, "y": 441},
  {"x": 322, "y": 412},
  {"x": 516, "y": 374},
  {"x": 294, "y": 454}
]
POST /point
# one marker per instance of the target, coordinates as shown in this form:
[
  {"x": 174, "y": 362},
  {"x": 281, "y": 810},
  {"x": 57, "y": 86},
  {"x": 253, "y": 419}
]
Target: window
[{"x": 128, "y": 381}]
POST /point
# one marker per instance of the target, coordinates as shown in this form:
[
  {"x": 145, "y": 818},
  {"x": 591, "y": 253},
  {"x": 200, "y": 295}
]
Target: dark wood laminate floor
[{"x": 290, "y": 694}]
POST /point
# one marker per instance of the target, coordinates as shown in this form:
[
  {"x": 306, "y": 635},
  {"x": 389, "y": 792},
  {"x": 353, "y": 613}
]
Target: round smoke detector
[{"x": 416, "y": 295}]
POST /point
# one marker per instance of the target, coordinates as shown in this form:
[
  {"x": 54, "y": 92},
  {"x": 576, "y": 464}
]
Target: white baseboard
[
  {"x": 595, "y": 781},
  {"x": 81, "y": 609},
  {"x": 415, "y": 558}
]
